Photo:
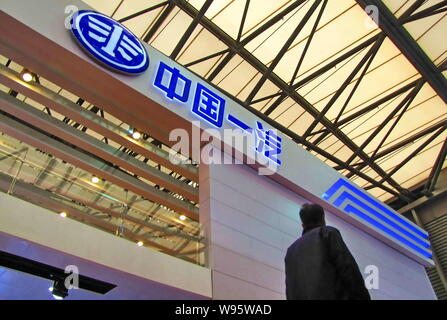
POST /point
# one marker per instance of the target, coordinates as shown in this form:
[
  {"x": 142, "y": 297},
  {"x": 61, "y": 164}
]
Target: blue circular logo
[{"x": 109, "y": 42}]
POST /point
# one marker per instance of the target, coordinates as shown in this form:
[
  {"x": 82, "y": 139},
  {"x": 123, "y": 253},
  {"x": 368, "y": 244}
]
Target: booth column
[{"x": 248, "y": 223}]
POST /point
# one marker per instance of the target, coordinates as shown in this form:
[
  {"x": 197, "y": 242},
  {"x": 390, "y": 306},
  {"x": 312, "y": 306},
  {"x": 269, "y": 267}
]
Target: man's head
[{"x": 312, "y": 215}]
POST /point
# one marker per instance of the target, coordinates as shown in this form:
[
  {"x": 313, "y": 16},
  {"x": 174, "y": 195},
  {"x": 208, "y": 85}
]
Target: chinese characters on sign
[
  {"x": 210, "y": 107},
  {"x": 268, "y": 143},
  {"x": 115, "y": 46},
  {"x": 175, "y": 85}
]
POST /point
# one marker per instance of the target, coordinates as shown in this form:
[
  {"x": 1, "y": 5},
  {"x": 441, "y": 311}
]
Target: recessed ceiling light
[
  {"x": 139, "y": 243},
  {"x": 182, "y": 217},
  {"x": 95, "y": 179},
  {"x": 136, "y": 135},
  {"x": 63, "y": 214},
  {"x": 26, "y": 75}
]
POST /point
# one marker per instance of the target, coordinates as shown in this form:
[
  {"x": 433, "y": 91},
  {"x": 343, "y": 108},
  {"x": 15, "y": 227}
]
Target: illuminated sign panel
[
  {"x": 109, "y": 41},
  {"x": 116, "y": 47},
  {"x": 355, "y": 201},
  {"x": 209, "y": 106},
  {"x": 113, "y": 45}
]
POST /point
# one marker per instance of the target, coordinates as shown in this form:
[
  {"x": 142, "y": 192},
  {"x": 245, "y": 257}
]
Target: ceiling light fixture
[
  {"x": 136, "y": 135},
  {"x": 59, "y": 290},
  {"x": 26, "y": 75},
  {"x": 95, "y": 179}
]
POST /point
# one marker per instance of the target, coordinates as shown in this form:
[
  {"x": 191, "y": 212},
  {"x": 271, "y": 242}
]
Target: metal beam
[
  {"x": 333, "y": 63},
  {"x": 377, "y": 103},
  {"x": 181, "y": 43},
  {"x": 411, "y": 139},
  {"x": 153, "y": 30},
  {"x": 237, "y": 45},
  {"x": 132, "y": 219},
  {"x": 365, "y": 67},
  {"x": 437, "y": 167},
  {"x": 438, "y": 265},
  {"x": 414, "y": 153},
  {"x": 221, "y": 65},
  {"x": 281, "y": 96},
  {"x": 242, "y": 24},
  {"x": 403, "y": 19},
  {"x": 189, "y": 64},
  {"x": 422, "y": 201},
  {"x": 271, "y": 22},
  {"x": 401, "y": 144},
  {"x": 92, "y": 164},
  {"x": 397, "y": 33},
  {"x": 435, "y": 9},
  {"x": 404, "y": 104},
  {"x": 308, "y": 41},
  {"x": 284, "y": 49},
  {"x": 366, "y": 60},
  {"x": 141, "y": 12}
]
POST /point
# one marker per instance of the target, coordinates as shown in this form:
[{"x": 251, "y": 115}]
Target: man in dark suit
[{"x": 319, "y": 266}]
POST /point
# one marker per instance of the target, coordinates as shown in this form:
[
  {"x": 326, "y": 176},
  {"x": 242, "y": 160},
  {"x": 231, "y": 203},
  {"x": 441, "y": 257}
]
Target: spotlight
[
  {"x": 182, "y": 217},
  {"x": 63, "y": 214},
  {"x": 95, "y": 179},
  {"x": 136, "y": 135},
  {"x": 139, "y": 243},
  {"x": 59, "y": 290},
  {"x": 26, "y": 75}
]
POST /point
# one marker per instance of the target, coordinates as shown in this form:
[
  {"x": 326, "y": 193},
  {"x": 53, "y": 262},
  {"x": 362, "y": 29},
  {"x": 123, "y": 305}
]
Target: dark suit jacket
[{"x": 319, "y": 266}]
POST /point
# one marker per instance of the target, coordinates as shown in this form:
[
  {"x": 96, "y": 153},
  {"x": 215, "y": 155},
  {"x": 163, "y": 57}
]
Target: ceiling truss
[{"x": 392, "y": 28}]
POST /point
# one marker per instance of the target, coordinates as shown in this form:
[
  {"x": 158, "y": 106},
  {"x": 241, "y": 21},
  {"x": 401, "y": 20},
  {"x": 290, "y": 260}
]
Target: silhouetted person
[{"x": 319, "y": 266}]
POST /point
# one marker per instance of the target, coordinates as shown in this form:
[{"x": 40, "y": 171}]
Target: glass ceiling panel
[
  {"x": 107, "y": 7},
  {"x": 343, "y": 26},
  {"x": 429, "y": 32}
]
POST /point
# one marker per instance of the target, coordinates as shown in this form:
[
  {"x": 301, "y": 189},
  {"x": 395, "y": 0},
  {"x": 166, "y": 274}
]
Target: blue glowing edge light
[{"x": 352, "y": 210}]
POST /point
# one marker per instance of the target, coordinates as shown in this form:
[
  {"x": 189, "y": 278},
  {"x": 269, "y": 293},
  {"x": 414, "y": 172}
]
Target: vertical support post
[
  {"x": 13, "y": 182},
  {"x": 435, "y": 258}
]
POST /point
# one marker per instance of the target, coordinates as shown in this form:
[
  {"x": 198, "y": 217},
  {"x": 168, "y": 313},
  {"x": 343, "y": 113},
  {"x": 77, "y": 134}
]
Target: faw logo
[{"x": 109, "y": 41}]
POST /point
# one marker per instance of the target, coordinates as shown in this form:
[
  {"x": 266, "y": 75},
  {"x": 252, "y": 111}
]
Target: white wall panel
[
  {"x": 36, "y": 224},
  {"x": 251, "y": 222}
]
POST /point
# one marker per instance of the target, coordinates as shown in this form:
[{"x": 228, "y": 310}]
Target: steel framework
[{"x": 392, "y": 28}]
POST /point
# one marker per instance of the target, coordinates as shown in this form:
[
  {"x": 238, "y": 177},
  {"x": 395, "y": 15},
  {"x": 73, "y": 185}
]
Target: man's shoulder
[
  {"x": 323, "y": 230},
  {"x": 293, "y": 247},
  {"x": 330, "y": 229},
  {"x": 294, "y": 243},
  {"x": 327, "y": 232}
]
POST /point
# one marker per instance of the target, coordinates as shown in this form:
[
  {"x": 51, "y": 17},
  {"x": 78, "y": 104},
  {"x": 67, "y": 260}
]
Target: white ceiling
[{"x": 343, "y": 25}]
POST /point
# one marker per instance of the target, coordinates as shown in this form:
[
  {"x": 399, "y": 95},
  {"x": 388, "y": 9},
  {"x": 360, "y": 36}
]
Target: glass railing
[{"x": 26, "y": 171}]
